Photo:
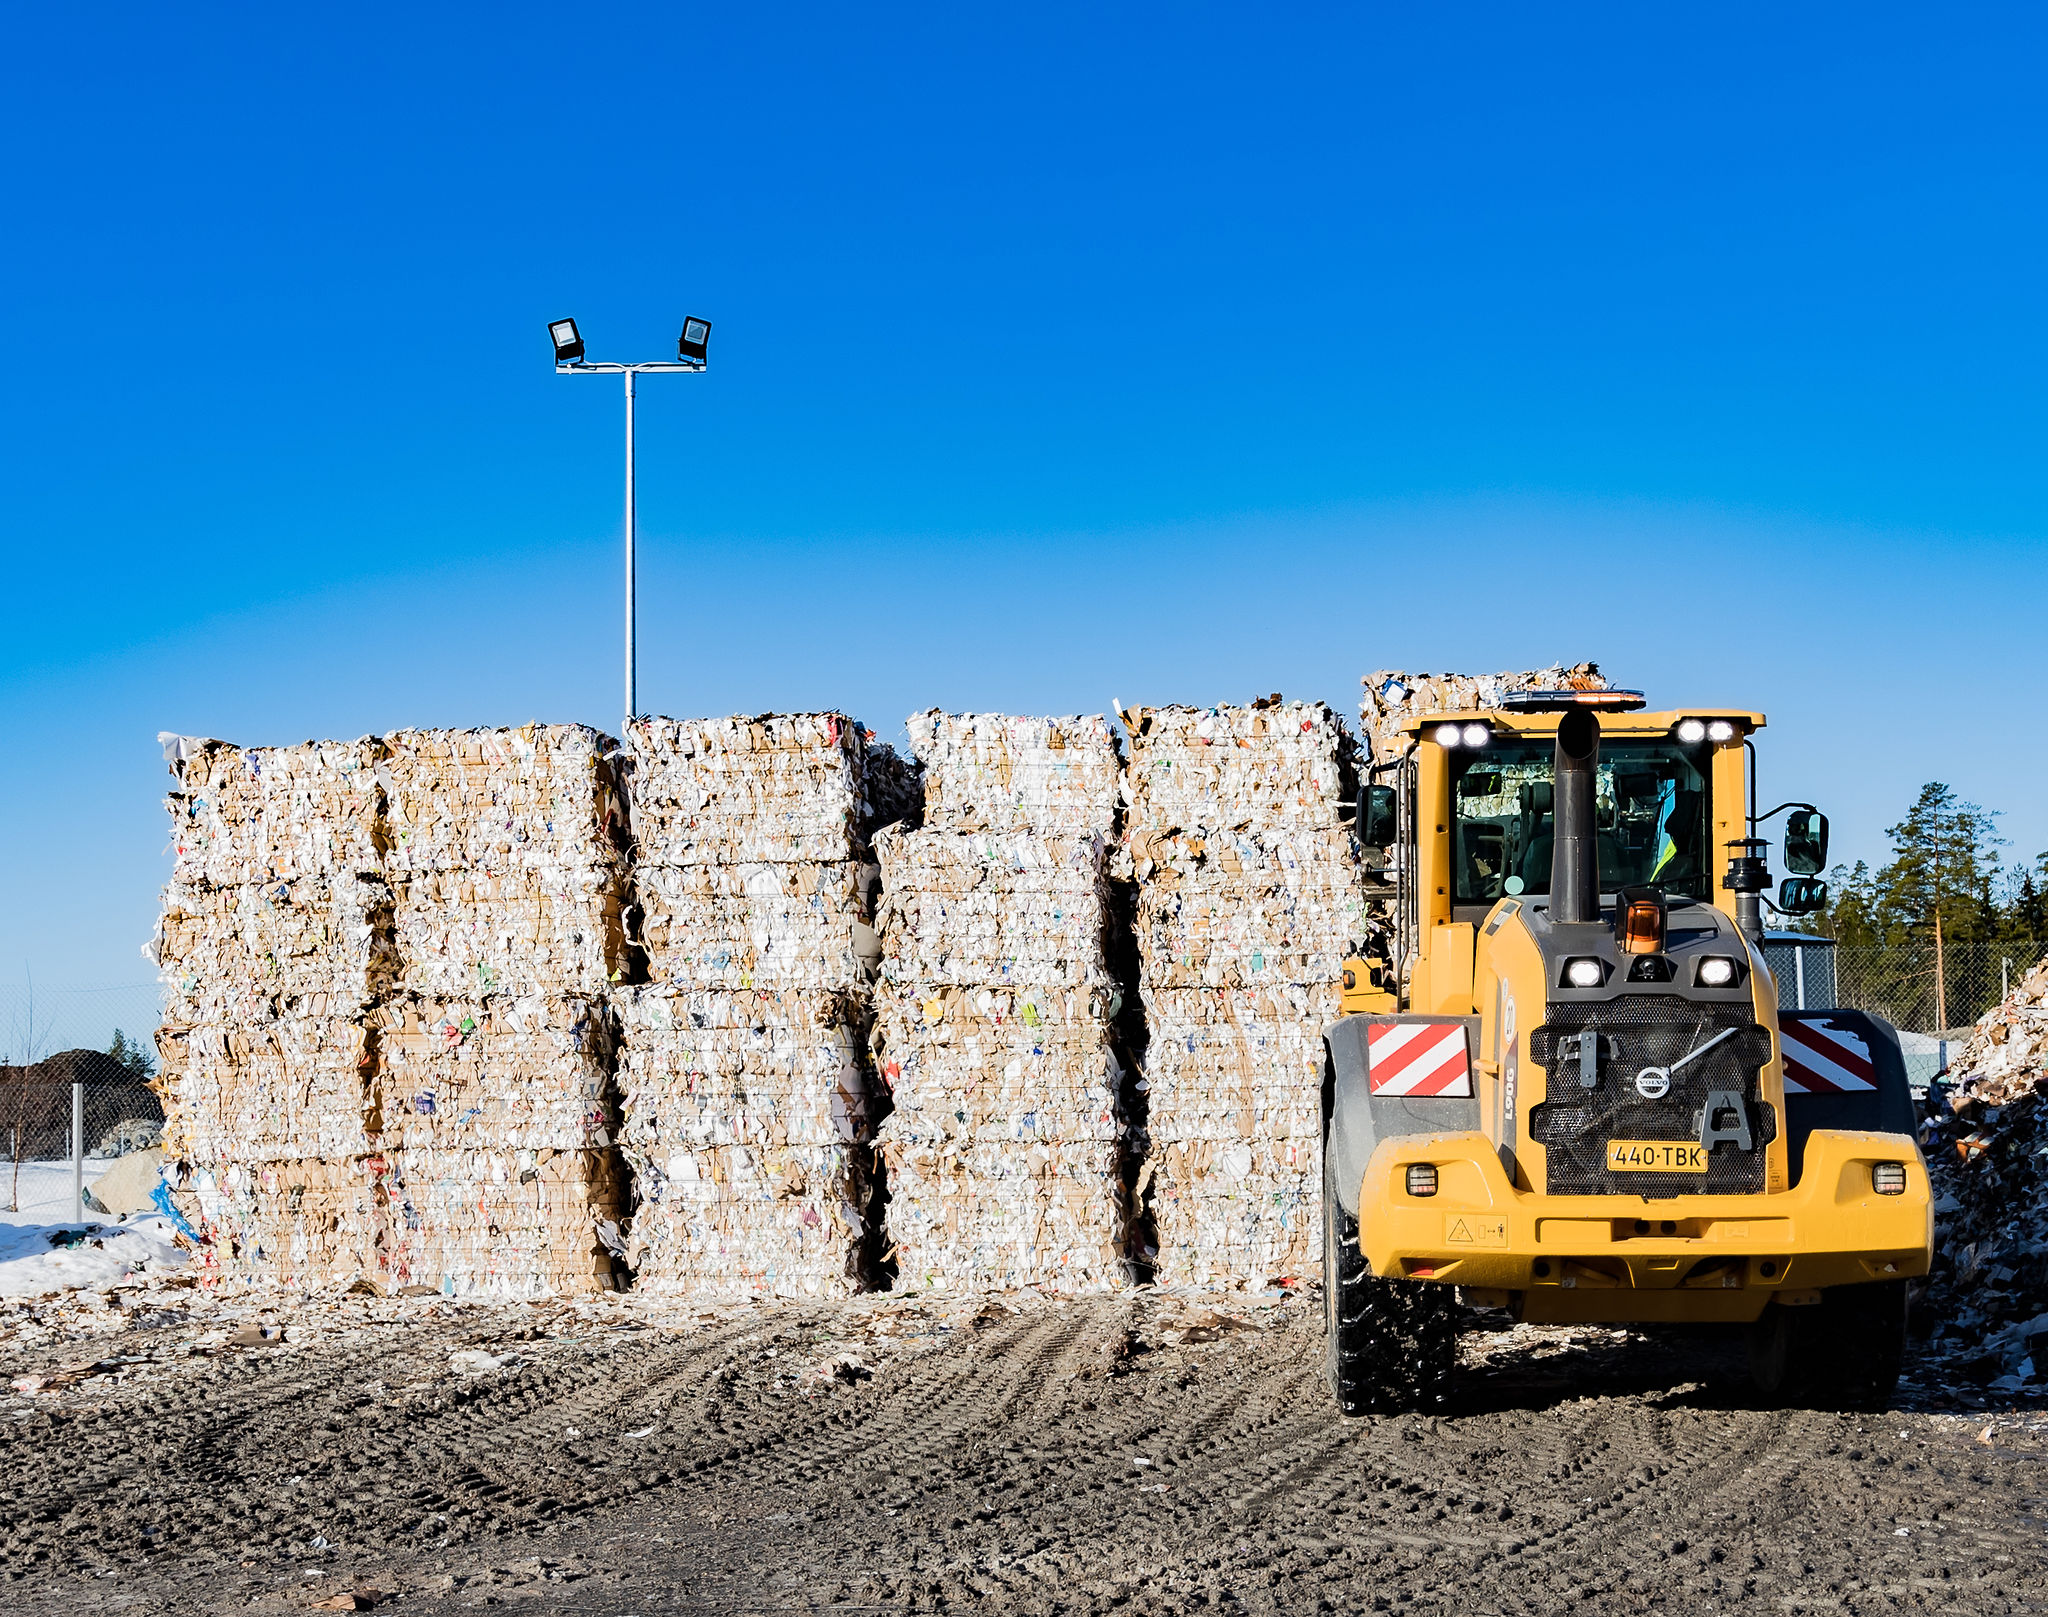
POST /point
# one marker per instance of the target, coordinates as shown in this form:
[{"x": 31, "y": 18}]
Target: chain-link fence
[
  {"x": 1920, "y": 990},
  {"x": 74, "y": 1094}
]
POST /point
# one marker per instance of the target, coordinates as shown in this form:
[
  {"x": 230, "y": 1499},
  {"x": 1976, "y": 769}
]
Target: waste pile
[
  {"x": 741, "y": 1066},
  {"x": 995, "y": 1011},
  {"x": 1391, "y": 697},
  {"x": 1987, "y": 1153},
  {"x": 387, "y": 1052},
  {"x": 35, "y": 1106},
  {"x": 1248, "y": 891}
]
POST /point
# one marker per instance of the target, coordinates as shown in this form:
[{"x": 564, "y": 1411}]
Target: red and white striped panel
[
  {"x": 1823, "y": 1060},
  {"x": 1417, "y": 1058}
]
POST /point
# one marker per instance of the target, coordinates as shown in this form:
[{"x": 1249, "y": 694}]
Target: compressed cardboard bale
[
  {"x": 304, "y": 1223},
  {"x": 520, "y": 933},
  {"x": 1005, "y": 1216},
  {"x": 999, "y": 771},
  {"x": 262, "y": 814},
  {"x": 758, "y": 924},
  {"x": 980, "y": 1066},
  {"x": 290, "y": 1089},
  {"x": 731, "y": 1222},
  {"x": 1241, "y": 908},
  {"x": 498, "y": 1223},
  {"x": 1249, "y": 897},
  {"x": 539, "y": 798},
  {"x": 994, "y": 1015},
  {"x": 752, "y": 868},
  {"x": 253, "y": 952},
  {"x": 954, "y": 914},
  {"x": 1393, "y": 698},
  {"x": 494, "y": 1074},
  {"x": 745, "y": 1118},
  {"x": 741, "y": 1070},
  {"x": 773, "y": 788},
  {"x": 1245, "y": 1211},
  {"x": 1270, "y": 765}
]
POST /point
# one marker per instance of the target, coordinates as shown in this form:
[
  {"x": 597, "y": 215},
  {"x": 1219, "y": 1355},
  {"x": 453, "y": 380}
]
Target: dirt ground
[{"x": 166, "y": 1451}]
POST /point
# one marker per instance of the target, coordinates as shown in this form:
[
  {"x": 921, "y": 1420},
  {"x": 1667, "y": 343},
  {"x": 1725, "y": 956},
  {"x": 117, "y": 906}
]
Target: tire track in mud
[{"x": 995, "y": 1469}]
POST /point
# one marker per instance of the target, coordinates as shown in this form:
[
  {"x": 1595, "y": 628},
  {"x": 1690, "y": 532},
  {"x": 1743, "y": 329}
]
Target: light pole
[{"x": 569, "y": 360}]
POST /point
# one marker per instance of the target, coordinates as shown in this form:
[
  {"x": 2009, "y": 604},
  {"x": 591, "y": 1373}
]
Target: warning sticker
[{"x": 1468, "y": 1229}]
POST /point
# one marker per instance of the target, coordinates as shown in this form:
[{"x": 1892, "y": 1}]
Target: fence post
[
  {"x": 1940, "y": 981},
  {"x": 78, "y": 1152}
]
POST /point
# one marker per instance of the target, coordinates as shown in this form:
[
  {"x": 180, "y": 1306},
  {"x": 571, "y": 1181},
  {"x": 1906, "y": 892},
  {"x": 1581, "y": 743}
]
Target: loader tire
[
  {"x": 1844, "y": 1352},
  {"x": 1393, "y": 1344}
]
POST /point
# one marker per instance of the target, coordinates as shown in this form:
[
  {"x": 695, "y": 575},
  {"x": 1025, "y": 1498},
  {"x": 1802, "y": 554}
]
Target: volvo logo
[{"x": 1654, "y": 1083}]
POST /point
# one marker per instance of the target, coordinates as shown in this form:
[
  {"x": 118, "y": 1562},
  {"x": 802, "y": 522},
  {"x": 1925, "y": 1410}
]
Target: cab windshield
[{"x": 1650, "y": 822}]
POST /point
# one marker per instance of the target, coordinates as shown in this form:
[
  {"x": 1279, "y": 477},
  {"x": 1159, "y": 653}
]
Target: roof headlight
[
  {"x": 1716, "y": 971},
  {"x": 1692, "y": 731},
  {"x": 1721, "y": 730},
  {"x": 1448, "y": 735},
  {"x": 1476, "y": 735},
  {"x": 1585, "y": 972}
]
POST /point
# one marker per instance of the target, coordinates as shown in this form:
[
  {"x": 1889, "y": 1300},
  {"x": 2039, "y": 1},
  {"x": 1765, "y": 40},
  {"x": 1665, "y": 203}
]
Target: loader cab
[
  {"x": 1477, "y": 824},
  {"x": 1653, "y": 820}
]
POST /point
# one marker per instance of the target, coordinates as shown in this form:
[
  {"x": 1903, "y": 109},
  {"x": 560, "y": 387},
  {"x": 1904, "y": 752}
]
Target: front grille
[{"x": 1650, "y": 1030}]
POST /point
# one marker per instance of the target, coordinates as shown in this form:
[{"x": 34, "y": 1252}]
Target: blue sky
[{"x": 1061, "y": 354}]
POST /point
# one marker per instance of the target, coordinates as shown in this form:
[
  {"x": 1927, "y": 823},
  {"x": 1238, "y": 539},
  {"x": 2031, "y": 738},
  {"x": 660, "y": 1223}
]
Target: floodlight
[
  {"x": 568, "y": 341},
  {"x": 696, "y": 335}
]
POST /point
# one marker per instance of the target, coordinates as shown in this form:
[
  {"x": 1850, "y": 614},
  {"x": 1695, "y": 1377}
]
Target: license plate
[{"x": 1656, "y": 1156}]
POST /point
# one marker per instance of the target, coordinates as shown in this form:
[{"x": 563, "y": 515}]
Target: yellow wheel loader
[{"x": 1562, "y": 1083}]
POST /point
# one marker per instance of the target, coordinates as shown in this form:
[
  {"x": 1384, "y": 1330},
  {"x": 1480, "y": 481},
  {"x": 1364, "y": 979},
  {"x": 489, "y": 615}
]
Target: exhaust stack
[{"x": 1574, "y": 854}]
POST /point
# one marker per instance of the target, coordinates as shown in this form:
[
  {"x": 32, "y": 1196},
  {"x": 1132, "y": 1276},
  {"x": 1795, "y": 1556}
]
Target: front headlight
[
  {"x": 1716, "y": 971},
  {"x": 1585, "y": 972}
]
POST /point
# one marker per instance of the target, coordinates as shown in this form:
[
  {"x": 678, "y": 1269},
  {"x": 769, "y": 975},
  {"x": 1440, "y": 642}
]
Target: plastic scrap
[{"x": 1986, "y": 1143}]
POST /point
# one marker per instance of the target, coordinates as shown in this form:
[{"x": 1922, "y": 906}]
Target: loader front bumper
[{"x": 1629, "y": 1259}]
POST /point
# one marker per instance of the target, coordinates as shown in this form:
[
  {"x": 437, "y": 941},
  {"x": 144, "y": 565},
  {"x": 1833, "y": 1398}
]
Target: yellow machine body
[{"x": 1492, "y": 1226}]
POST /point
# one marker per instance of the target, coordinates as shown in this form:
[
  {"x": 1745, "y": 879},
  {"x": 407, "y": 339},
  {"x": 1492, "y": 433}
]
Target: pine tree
[
  {"x": 1944, "y": 861},
  {"x": 2023, "y": 917},
  {"x": 131, "y": 1055}
]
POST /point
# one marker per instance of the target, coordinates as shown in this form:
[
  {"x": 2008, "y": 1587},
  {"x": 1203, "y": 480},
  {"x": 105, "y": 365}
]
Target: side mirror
[
  {"x": 1376, "y": 817},
  {"x": 1806, "y": 842},
  {"x": 1802, "y": 895}
]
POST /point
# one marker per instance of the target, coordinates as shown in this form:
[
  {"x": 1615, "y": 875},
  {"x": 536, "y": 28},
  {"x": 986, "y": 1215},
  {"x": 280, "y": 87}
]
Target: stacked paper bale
[
  {"x": 995, "y": 1008},
  {"x": 1249, "y": 891},
  {"x": 495, "y": 1109},
  {"x": 388, "y": 1050},
  {"x": 1392, "y": 698},
  {"x": 273, "y": 943},
  {"x": 741, "y": 1070}
]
